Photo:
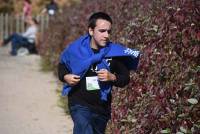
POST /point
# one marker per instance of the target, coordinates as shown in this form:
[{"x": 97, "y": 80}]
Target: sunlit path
[{"x": 28, "y": 102}]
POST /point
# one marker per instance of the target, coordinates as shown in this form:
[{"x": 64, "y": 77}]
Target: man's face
[{"x": 101, "y": 33}]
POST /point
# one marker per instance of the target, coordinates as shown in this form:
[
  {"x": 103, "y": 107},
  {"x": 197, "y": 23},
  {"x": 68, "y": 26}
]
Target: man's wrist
[{"x": 113, "y": 78}]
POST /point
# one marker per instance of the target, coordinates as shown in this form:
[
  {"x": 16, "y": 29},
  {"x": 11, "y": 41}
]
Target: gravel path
[{"x": 28, "y": 102}]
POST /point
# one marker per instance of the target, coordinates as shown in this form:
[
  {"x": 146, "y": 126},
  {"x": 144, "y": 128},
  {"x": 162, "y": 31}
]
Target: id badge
[{"x": 92, "y": 83}]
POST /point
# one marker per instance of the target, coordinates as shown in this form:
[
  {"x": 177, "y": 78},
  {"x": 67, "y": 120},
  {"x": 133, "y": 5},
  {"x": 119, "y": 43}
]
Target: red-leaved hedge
[{"x": 164, "y": 93}]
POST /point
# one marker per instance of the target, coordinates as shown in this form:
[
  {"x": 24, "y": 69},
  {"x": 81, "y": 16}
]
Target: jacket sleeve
[
  {"x": 121, "y": 72},
  {"x": 62, "y": 71}
]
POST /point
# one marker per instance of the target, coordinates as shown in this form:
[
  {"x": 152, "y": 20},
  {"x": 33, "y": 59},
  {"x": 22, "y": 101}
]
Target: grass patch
[
  {"x": 62, "y": 100},
  {"x": 45, "y": 64}
]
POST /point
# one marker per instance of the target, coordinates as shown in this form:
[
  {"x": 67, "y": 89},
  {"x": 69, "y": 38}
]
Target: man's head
[
  {"x": 35, "y": 21},
  {"x": 27, "y": 1},
  {"x": 53, "y": 1},
  {"x": 99, "y": 27}
]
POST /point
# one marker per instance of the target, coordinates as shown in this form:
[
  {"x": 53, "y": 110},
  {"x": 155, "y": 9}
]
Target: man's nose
[{"x": 107, "y": 34}]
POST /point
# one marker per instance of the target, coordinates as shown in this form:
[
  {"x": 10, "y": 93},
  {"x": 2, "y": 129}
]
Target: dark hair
[
  {"x": 52, "y": 2},
  {"x": 35, "y": 21},
  {"x": 98, "y": 15},
  {"x": 28, "y": 1}
]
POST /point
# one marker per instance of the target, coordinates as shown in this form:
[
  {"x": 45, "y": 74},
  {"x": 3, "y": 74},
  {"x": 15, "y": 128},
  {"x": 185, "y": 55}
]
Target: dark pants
[
  {"x": 17, "y": 41},
  {"x": 86, "y": 121}
]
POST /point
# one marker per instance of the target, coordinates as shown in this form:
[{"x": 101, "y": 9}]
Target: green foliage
[
  {"x": 46, "y": 65},
  {"x": 164, "y": 93},
  {"x": 62, "y": 102},
  {"x": 6, "y": 6}
]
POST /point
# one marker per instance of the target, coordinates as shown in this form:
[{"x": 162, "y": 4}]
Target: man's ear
[{"x": 91, "y": 31}]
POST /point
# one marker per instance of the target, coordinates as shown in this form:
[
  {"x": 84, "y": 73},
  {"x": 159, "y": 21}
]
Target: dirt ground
[{"x": 28, "y": 100}]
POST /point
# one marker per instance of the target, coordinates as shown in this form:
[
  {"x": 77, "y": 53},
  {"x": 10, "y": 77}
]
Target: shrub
[{"x": 163, "y": 94}]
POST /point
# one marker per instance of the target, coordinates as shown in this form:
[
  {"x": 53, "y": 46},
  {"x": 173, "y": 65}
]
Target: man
[
  {"x": 26, "y": 39},
  {"x": 51, "y": 8},
  {"x": 89, "y": 67}
]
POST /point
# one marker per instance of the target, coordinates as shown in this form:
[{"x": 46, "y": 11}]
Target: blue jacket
[{"x": 78, "y": 57}]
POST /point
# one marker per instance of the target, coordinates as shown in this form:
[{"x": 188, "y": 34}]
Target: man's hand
[
  {"x": 105, "y": 75},
  {"x": 72, "y": 79}
]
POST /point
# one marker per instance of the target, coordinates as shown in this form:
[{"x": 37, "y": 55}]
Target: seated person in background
[{"x": 26, "y": 39}]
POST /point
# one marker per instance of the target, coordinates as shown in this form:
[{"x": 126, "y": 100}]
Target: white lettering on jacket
[{"x": 132, "y": 52}]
